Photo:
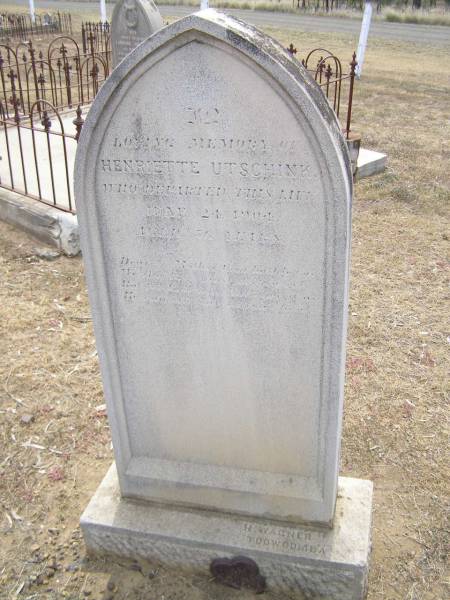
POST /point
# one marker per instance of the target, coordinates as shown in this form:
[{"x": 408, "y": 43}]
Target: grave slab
[{"x": 308, "y": 562}]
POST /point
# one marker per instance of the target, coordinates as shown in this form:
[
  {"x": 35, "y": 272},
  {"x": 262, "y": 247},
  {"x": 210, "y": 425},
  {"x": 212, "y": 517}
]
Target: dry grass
[
  {"x": 397, "y": 367},
  {"x": 436, "y": 17}
]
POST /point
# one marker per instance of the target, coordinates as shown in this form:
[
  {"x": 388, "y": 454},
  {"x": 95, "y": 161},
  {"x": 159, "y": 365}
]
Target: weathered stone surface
[
  {"x": 132, "y": 22},
  {"x": 213, "y": 189},
  {"x": 312, "y": 562},
  {"x": 46, "y": 223}
]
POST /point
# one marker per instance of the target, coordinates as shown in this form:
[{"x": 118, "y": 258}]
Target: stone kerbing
[{"x": 49, "y": 225}]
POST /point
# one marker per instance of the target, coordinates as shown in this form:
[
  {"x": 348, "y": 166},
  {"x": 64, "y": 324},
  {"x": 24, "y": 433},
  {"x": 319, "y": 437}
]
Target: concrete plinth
[
  {"x": 314, "y": 562},
  {"x": 47, "y": 224}
]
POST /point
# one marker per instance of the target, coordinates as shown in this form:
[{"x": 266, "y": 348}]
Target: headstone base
[{"x": 313, "y": 562}]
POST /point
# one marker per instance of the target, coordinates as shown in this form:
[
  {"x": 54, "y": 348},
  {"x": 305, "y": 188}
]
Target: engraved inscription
[
  {"x": 162, "y": 190},
  {"x": 203, "y": 116},
  {"x": 255, "y": 170},
  {"x": 250, "y": 287},
  {"x": 213, "y": 191},
  {"x": 283, "y": 539}
]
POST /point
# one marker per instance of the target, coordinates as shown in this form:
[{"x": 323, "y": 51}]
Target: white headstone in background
[
  {"x": 32, "y": 12},
  {"x": 132, "y": 22},
  {"x": 216, "y": 243},
  {"x": 103, "y": 11},
  {"x": 363, "y": 36}
]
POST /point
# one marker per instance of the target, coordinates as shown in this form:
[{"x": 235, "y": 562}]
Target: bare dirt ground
[{"x": 54, "y": 437}]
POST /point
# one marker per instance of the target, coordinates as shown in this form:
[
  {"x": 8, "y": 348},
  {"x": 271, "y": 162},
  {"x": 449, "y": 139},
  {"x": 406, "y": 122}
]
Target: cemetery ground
[{"x": 54, "y": 436}]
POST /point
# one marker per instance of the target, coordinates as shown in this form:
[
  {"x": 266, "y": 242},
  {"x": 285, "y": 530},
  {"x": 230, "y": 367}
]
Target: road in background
[{"x": 406, "y": 32}]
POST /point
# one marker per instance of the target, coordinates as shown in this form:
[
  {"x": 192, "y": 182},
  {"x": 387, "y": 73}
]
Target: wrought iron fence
[
  {"x": 21, "y": 26},
  {"x": 38, "y": 152},
  {"x": 38, "y": 132},
  {"x": 39, "y": 90},
  {"x": 59, "y": 74},
  {"x": 95, "y": 36},
  {"x": 337, "y": 85}
]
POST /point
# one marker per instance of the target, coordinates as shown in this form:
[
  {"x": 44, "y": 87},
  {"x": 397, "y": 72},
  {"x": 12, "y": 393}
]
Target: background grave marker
[{"x": 132, "y": 22}]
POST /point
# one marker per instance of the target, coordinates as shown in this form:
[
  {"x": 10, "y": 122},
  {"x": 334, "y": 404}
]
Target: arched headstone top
[
  {"x": 213, "y": 189},
  {"x": 132, "y": 22},
  {"x": 261, "y": 48}
]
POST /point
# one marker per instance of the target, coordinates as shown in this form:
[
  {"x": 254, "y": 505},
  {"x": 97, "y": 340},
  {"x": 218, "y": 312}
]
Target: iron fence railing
[
  {"x": 38, "y": 152},
  {"x": 39, "y": 84},
  {"x": 41, "y": 88},
  {"x": 95, "y": 36},
  {"x": 22, "y": 26},
  {"x": 60, "y": 74},
  {"x": 337, "y": 85}
]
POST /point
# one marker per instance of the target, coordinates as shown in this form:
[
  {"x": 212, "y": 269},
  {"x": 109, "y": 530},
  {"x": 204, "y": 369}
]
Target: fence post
[
  {"x": 2, "y": 79},
  {"x": 13, "y": 100},
  {"x": 328, "y": 74},
  {"x": 83, "y": 37},
  {"x": 16, "y": 103},
  {"x": 66, "y": 68},
  {"x": 94, "y": 74},
  {"x": 32, "y": 51},
  {"x": 91, "y": 40},
  {"x": 78, "y": 122},
  {"x": 350, "y": 93},
  {"x": 46, "y": 123}
]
